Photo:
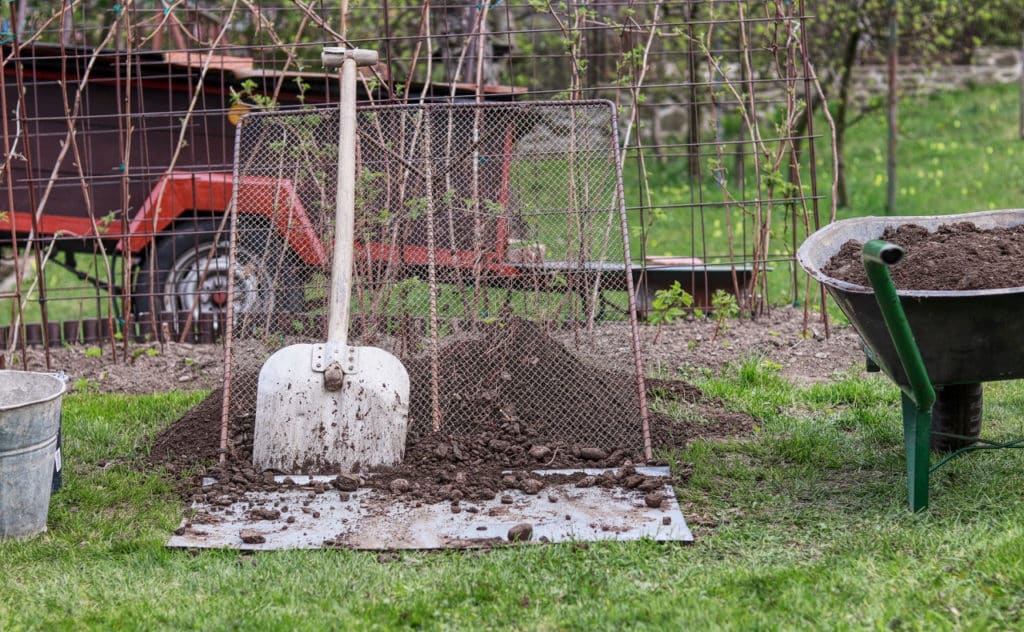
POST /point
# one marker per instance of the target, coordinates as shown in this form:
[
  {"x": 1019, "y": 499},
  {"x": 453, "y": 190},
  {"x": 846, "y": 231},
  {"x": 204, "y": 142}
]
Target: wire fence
[{"x": 120, "y": 126}]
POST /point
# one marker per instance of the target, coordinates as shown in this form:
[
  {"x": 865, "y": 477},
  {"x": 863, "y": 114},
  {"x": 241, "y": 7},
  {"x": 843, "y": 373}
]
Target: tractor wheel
[{"x": 188, "y": 271}]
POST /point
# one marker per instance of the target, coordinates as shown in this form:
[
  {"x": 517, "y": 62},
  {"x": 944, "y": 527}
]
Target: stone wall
[
  {"x": 989, "y": 66},
  {"x": 667, "y": 121}
]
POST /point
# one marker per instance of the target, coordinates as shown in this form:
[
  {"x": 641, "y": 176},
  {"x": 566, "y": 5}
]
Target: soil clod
[
  {"x": 593, "y": 454},
  {"x": 532, "y": 486},
  {"x": 264, "y": 514},
  {"x": 654, "y": 499},
  {"x": 586, "y": 481},
  {"x": 400, "y": 486},
  {"x": 540, "y": 453},
  {"x": 251, "y": 536},
  {"x": 347, "y": 482},
  {"x": 521, "y": 532}
]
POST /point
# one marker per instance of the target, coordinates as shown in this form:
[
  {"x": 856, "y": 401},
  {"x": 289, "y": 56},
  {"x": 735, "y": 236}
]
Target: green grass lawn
[
  {"x": 801, "y": 526},
  {"x": 958, "y": 152}
]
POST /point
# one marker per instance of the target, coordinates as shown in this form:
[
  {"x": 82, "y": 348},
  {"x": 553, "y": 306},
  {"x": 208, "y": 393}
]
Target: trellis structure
[{"x": 118, "y": 148}]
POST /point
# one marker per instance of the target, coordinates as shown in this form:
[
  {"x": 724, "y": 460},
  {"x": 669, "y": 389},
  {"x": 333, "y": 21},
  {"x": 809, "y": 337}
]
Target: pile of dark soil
[
  {"x": 958, "y": 256},
  {"x": 513, "y": 378},
  {"x": 518, "y": 430}
]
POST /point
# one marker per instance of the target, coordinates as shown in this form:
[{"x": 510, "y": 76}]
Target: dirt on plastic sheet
[
  {"x": 957, "y": 256},
  {"x": 512, "y": 439}
]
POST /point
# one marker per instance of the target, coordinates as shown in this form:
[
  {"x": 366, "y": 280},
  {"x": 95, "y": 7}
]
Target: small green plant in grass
[
  {"x": 725, "y": 308},
  {"x": 148, "y": 351},
  {"x": 85, "y": 385},
  {"x": 670, "y": 304},
  {"x": 94, "y": 352}
]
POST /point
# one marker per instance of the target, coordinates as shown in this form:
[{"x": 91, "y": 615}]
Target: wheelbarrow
[{"x": 938, "y": 346}]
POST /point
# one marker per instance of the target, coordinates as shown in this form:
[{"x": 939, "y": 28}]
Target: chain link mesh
[{"x": 489, "y": 248}]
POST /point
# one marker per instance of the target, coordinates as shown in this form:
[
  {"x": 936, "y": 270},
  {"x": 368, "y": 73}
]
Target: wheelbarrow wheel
[{"x": 957, "y": 411}]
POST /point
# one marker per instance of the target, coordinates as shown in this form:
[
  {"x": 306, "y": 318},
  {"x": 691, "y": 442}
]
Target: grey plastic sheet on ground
[{"x": 368, "y": 520}]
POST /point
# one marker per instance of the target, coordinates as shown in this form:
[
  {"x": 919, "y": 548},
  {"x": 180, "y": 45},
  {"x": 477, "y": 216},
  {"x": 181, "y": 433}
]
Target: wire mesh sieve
[{"x": 490, "y": 238}]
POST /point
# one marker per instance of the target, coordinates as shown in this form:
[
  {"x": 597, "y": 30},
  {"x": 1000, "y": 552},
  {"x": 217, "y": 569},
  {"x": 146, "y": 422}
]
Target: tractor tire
[
  {"x": 957, "y": 410},
  {"x": 187, "y": 271}
]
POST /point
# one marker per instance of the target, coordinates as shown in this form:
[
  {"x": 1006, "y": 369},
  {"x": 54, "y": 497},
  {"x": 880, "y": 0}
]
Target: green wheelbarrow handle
[{"x": 877, "y": 256}]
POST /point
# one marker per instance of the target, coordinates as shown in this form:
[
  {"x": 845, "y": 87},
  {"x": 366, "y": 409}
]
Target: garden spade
[{"x": 333, "y": 407}]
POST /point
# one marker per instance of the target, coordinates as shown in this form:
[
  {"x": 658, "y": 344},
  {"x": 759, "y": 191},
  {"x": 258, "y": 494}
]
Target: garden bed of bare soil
[
  {"x": 804, "y": 354},
  {"x": 957, "y": 256}
]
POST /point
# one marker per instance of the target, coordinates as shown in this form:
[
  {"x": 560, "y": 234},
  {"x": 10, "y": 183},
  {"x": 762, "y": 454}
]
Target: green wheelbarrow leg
[
  {"x": 917, "y": 430},
  {"x": 918, "y": 399}
]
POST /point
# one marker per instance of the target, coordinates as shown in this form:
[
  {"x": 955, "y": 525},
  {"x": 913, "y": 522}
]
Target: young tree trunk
[
  {"x": 893, "y": 104},
  {"x": 22, "y": 17},
  {"x": 693, "y": 108},
  {"x": 842, "y": 115}
]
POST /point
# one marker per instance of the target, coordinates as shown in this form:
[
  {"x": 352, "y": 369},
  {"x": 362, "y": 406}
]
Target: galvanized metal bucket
[{"x": 30, "y": 406}]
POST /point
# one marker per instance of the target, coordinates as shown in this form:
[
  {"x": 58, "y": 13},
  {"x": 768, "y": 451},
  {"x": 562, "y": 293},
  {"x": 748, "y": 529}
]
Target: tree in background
[{"x": 844, "y": 34}]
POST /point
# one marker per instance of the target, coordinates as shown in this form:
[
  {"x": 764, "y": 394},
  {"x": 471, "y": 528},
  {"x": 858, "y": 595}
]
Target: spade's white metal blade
[{"x": 302, "y": 427}]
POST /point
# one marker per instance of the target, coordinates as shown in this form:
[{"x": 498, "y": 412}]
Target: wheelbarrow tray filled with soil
[{"x": 965, "y": 336}]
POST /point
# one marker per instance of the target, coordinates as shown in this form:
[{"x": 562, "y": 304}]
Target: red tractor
[{"x": 133, "y": 155}]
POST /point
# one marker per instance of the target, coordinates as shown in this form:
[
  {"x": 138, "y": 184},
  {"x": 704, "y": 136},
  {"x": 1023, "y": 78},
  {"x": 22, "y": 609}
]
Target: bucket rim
[{"x": 39, "y": 400}]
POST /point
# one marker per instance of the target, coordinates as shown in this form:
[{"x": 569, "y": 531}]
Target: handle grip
[{"x": 334, "y": 56}]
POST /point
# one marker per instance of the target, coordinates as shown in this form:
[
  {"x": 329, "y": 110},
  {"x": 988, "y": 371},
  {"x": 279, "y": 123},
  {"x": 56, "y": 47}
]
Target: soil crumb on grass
[{"x": 957, "y": 256}]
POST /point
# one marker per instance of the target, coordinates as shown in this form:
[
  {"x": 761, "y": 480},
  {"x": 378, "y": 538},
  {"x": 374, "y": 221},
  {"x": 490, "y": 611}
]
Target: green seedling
[
  {"x": 670, "y": 304},
  {"x": 725, "y": 309},
  {"x": 85, "y": 385}
]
